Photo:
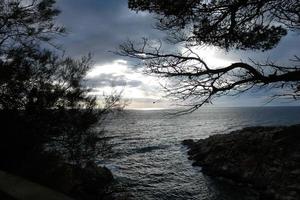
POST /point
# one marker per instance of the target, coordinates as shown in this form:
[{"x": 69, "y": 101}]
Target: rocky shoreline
[{"x": 265, "y": 158}]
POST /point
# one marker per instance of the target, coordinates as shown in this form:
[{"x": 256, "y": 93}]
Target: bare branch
[{"x": 192, "y": 80}]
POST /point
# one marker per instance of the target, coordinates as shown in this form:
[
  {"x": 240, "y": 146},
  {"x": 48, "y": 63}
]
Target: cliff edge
[{"x": 265, "y": 158}]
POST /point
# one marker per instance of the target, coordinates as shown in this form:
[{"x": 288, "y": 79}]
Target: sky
[{"x": 100, "y": 26}]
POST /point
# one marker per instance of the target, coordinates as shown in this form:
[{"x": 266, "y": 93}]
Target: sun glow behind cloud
[
  {"x": 212, "y": 56},
  {"x": 116, "y": 67},
  {"x": 143, "y": 91}
]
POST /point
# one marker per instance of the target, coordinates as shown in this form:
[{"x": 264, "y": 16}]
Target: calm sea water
[{"x": 149, "y": 162}]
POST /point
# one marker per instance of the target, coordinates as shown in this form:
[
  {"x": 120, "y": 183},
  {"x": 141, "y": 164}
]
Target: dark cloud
[
  {"x": 99, "y": 26},
  {"x": 107, "y": 80}
]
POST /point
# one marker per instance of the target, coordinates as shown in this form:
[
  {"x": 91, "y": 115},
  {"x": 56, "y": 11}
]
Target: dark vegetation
[
  {"x": 237, "y": 24},
  {"x": 46, "y": 115},
  {"x": 267, "y": 158}
]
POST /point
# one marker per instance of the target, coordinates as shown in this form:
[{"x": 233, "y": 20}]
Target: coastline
[{"x": 264, "y": 158}]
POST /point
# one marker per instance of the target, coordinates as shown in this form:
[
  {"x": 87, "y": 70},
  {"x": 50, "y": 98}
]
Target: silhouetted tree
[
  {"x": 24, "y": 27},
  {"x": 236, "y": 24},
  {"x": 44, "y": 103}
]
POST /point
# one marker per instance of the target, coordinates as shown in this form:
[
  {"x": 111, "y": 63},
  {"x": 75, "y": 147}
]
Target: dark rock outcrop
[
  {"x": 92, "y": 182},
  {"x": 266, "y": 158}
]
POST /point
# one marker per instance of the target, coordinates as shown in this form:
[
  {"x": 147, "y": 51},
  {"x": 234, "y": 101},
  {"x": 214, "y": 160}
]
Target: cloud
[
  {"x": 101, "y": 26},
  {"x": 98, "y": 27},
  {"x": 287, "y": 48},
  {"x": 107, "y": 80}
]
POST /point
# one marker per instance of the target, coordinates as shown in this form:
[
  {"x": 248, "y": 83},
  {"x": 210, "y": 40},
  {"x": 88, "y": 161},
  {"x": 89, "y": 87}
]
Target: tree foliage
[
  {"x": 236, "y": 24},
  {"x": 45, "y": 107},
  {"x": 241, "y": 24}
]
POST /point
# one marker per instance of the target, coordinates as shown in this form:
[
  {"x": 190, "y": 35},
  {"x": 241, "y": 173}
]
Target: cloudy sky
[{"x": 99, "y": 26}]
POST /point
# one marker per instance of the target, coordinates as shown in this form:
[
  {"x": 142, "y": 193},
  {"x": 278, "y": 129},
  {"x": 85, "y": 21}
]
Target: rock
[
  {"x": 189, "y": 143},
  {"x": 99, "y": 175},
  {"x": 93, "y": 181},
  {"x": 264, "y": 157}
]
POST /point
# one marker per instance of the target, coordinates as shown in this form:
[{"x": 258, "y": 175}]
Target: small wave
[
  {"x": 134, "y": 138},
  {"x": 150, "y": 149}
]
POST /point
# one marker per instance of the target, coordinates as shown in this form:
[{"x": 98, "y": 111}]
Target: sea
[{"x": 149, "y": 161}]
